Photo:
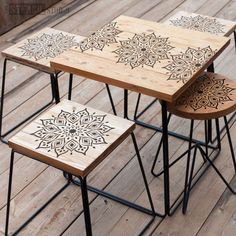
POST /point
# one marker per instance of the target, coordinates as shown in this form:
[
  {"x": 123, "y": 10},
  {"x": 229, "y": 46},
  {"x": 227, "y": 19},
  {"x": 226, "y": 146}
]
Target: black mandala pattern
[
  {"x": 99, "y": 39},
  {"x": 143, "y": 50},
  {"x": 207, "y": 91},
  {"x": 184, "y": 65},
  {"x": 69, "y": 132},
  {"x": 48, "y": 45},
  {"x": 199, "y": 23}
]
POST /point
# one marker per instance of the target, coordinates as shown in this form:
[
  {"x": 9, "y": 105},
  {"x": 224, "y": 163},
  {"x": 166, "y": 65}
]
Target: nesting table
[{"x": 146, "y": 57}]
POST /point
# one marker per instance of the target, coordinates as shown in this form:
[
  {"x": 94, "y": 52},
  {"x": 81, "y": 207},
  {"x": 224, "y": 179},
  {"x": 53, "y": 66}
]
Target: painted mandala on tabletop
[
  {"x": 199, "y": 23},
  {"x": 47, "y": 45},
  {"x": 143, "y": 50},
  {"x": 72, "y": 132},
  {"x": 101, "y": 38},
  {"x": 206, "y": 92},
  {"x": 184, "y": 65}
]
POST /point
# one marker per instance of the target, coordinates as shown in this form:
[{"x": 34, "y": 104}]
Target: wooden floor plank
[
  {"x": 33, "y": 186},
  {"x": 210, "y": 189}
]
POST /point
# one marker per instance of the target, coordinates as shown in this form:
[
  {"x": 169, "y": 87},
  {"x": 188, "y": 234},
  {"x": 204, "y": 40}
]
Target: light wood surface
[
  {"x": 38, "y": 49},
  {"x": 72, "y": 137},
  {"x": 151, "y": 66},
  {"x": 211, "y": 96},
  {"x": 36, "y": 179},
  {"x": 202, "y": 23}
]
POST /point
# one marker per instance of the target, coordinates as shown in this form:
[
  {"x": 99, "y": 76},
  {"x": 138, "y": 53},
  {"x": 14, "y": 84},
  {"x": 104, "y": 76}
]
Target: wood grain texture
[
  {"x": 72, "y": 137},
  {"x": 157, "y": 75},
  {"x": 33, "y": 186},
  {"x": 36, "y": 50},
  {"x": 211, "y": 96},
  {"x": 202, "y": 23}
]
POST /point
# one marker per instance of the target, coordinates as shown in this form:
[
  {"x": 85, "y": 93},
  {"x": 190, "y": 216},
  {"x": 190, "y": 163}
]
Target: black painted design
[
  {"x": 199, "y": 23},
  {"x": 143, "y": 50},
  {"x": 47, "y": 45},
  {"x": 184, "y": 65},
  {"x": 101, "y": 38},
  {"x": 72, "y": 132},
  {"x": 207, "y": 91}
]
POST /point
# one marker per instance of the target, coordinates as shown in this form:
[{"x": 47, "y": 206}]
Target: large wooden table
[{"x": 147, "y": 57}]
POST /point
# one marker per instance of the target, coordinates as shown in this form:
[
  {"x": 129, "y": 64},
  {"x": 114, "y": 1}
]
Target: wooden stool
[
  {"x": 36, "y": 51},
  {"x": 74, "y": 138},
  {"x": 211, "y": 96},
  {"x": 202, "y": 23}
]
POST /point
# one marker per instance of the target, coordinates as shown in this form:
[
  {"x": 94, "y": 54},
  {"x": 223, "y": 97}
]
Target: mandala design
[
  {"x": 199, "y": 23},
  {"x": 143, "y": 50},
  {"x": 99, "y": 39},
  {"x": 48, "y": 45},
  {"x": 184, "y": 65},
  {"x": 206, "y": 92},
  {"x": 72, "y": 132}
]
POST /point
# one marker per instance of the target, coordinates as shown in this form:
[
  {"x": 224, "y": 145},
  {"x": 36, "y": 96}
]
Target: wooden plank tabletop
[{"x": 143, "y": 56}]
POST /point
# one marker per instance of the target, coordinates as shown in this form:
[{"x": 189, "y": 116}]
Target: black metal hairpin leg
[
  {"x": 189, "y": 186},
  {"x": 126, "y": 104},
  {"x": 230, "y": 142},
  {"x": 187, "y": 167},
  {"x": 86, "y": 187},
  {"x": 235, "y": 39},
  {"x": 232, "y": 156},
  {"x": 9, "y": 192},
  {"x": 198, "y": 173},
  {"x": 158, "y": 152},
  {"x": 111, "y": 100},
  {"x": 143, "y": 172},
  {"x": 70, "y": 86},
  {"x": 55, "y": 87},
  {"x": 210, "y": 68},
  {"x": 55, "y": 94},
  {"x": 2, "y": 97},
  {"x": 84, "y": 192},
  {"x": 137, "y": 105},
  {"x": 38, "y": 211},
  {"x": 136, "y": 115},
  {"x": 211, "y": 163},
  {"x": 108, "y": 91},
  {"x": 165, "y": 156},
  {"x": 145, "y": 183}
]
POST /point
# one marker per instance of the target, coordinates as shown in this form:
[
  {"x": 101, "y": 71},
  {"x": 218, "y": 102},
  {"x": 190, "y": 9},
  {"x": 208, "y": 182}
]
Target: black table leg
[
  {"x": 165, "y": 157},
  {"x": 84, "y": 191}
]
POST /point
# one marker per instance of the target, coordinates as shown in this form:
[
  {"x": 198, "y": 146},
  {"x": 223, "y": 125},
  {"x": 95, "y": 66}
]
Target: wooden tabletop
[{"x": 143, "y": 56}]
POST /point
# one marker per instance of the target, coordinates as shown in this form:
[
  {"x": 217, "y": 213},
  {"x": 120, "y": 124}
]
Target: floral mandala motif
[
  {"x": 143, "y": 50},
  {"x": 48, "y": 45},
  {"x": 199, "y": 23},
  {"x": 206, "y": 92},
  {"x": 184, "y": 65},
  {"x": 72, "y": 132},
  {"x": 99, "y": 39}
]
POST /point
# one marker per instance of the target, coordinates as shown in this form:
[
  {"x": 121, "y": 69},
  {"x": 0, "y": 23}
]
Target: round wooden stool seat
[{"x": 211, "y": 96}]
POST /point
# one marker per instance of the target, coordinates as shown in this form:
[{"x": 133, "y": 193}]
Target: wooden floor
[{"x": 212, "y": 209}]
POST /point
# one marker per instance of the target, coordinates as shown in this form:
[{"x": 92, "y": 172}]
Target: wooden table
[{"x": 147, "y": 57}]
